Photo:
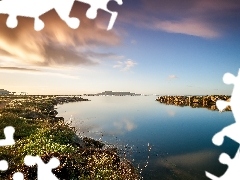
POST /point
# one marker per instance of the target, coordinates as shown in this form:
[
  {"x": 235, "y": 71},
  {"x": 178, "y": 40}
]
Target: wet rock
[
  {"x": 92, "y": 143},
  {"x": 208, "y": 101},
  {"x": 53, "y": 113},
  {"x": 78, "y": 141}
]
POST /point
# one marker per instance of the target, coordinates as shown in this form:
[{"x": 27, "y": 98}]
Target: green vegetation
[{"x": 39, "y": 132}]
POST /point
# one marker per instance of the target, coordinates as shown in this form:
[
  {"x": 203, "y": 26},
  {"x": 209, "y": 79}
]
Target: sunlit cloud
[
  {"x": 30, "y": 71},
  {"x": 191, "y": 27},
  {"x": 55, "y": 46},
  {"x": 188, "y": 26},
  {"x": 125, "y": 65},
  {"x": 17, "y": 69}
]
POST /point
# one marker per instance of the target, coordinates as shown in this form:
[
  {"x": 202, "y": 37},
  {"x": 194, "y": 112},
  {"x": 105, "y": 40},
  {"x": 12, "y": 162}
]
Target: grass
[{"x": 47, "y": 138}]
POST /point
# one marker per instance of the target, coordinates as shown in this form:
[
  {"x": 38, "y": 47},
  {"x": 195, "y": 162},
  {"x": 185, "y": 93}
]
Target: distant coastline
[{"x": 111, "y": 93}]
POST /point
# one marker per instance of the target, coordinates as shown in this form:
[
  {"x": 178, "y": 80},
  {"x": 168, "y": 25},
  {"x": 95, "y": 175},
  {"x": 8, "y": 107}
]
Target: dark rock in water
[
  {"x": 86, "y": 142},
  {"x": 57, "y": 119},
  {"x": 92, "y": 143},
  {"x": 53, "y": 113},
  {"x": 78, "y": 141}
]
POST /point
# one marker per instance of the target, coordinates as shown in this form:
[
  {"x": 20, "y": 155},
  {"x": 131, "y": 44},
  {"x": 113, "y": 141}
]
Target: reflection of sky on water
[{"x": 180, "y": 137}]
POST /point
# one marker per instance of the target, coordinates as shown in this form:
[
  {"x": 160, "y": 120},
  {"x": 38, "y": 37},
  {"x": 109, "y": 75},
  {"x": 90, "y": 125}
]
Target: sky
[{"x": 163, "y": 47}]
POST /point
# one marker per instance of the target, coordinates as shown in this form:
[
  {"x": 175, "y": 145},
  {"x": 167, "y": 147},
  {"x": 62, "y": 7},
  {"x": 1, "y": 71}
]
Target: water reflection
[
  {"x": 124, "y": 125},
  {"x": 208, "y": 102},
  {"x": 188, "y": 160},
  {"x": 171, "y": 113},
  {"x": 180, "y": 137}
]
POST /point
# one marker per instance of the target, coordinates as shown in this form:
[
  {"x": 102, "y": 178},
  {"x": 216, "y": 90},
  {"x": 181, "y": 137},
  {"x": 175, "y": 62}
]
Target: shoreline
[{"x": 39, "y": 132}]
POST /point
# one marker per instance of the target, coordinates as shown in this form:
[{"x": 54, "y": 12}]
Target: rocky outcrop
[
  {"x": 208, "y": 101},
  {"x": 67, "y": 99}
]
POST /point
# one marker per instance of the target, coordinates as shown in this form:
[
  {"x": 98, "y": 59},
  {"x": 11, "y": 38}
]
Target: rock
[
  {"x": 194, "y": 101},
  {"x": 33, "y": 115},
  {"x": 53, "y": 113},
  {"x": 78, "y": 141}
]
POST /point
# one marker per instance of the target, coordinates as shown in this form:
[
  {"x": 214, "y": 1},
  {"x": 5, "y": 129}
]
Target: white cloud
[
  {"x": 194, "y": 27},
  {"x": 39, "y": 72},
  {"x": 172, "y": 76},
  {"x": 126, "y": 65}
]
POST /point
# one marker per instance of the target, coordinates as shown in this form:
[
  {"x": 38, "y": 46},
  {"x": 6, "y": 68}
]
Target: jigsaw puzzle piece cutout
[
  {"x": 9, "y": 140},
  {"x": 221, "y": 104},
  {"x": 36, "y": 8},
  {"x": 101, "y": 4},
  {"x": 229, "y": 78},
  {"x": 44, "y": 170},
  {"x": 25, "y": 8},
  {"x": 3, "y": 165},
  {"x": 18, "y": 176},
  {"x": 64, "y": 13},
  {"x": 231, "y": 131},
  {"x": 232, "y": 172},
  {"x": 8, "y": 133}
]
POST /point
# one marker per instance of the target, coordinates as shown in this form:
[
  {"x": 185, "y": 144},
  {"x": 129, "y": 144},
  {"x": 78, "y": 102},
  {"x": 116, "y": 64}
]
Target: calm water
[{"x": 179, "y": 137}]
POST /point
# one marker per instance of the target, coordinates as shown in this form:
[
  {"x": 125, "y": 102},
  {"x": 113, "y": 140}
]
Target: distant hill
[{"x": 111, "y": 93}]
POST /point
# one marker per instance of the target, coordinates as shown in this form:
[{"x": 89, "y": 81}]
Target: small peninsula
[{"x": 204, "y": 101}]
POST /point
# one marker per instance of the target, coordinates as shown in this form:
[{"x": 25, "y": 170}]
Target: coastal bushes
[
  {"x": 23, "y": 127},
  {"x": 47, "y": 136}
]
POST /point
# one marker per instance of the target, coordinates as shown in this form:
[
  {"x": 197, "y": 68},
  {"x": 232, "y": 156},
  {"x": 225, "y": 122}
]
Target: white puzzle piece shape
[
  {"x": 18, "y": 176},
  {"x": 9, "y": 140},
  {"x": 44, "y": 170},
  {"x": 3, "y": 165},
  {"x": 36, "y": 8},
  {"x": 232, "y": 131},
  {"x": 101, "y": 4},
  {"x": 232, "y": 172}
]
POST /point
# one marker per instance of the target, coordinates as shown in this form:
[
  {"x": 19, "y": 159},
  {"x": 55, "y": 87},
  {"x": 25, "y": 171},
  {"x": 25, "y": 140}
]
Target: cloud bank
[{"x": 57, "y": 44}]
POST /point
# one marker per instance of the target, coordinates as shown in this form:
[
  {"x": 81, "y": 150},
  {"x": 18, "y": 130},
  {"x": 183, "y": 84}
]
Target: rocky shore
[
  {"x": 39, "y": 132},
  {"x": 207, "y": 101}
]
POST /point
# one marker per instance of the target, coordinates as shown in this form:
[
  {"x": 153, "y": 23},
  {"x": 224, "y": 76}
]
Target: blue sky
[{"x": 155, "y": 47}]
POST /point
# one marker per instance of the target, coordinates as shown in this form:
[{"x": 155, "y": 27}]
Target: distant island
[
  {"x": 111, "y": 93},
  {"x": 4, "y": 92}
]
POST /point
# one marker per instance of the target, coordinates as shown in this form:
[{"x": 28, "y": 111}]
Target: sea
[{"x": 165, "y": 142}]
